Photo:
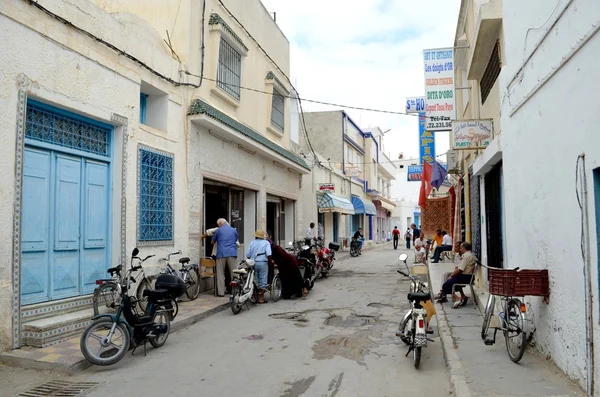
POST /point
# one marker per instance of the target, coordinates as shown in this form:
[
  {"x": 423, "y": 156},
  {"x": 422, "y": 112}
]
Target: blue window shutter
[
  {"x": 143, "y": 99},
  {"x": 155, "y": 195}
]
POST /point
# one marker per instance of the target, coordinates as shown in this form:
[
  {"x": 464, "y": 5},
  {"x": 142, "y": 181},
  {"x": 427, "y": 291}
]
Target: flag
[
  {"x": 438, "y": 175},
  {"x": 425, "y": 184}
]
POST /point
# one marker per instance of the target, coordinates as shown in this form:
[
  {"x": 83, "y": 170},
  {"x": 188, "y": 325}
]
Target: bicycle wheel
[
  {"x": 161, "y": 318},
  {"x": 192, "y": 283},
  {"x": 276, "y": 288},
  {"x": 515, "y": 335},
  {"x": 99, "y": 351},
  {"x": 106, "y": 296},
  {"x": 142, "y": 301},
  {"x": 487, "y": 316}
]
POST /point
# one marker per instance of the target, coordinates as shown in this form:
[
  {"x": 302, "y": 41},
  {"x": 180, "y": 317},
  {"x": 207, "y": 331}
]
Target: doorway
[
  {"x": 216, "y": 205},
  {"x": 493, "y": 209},
  {"x": 272, "y": 221}
]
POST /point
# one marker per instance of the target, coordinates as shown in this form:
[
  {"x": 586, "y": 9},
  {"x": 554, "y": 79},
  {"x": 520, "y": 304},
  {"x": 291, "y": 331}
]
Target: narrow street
[{"x": 340, "y": 341}]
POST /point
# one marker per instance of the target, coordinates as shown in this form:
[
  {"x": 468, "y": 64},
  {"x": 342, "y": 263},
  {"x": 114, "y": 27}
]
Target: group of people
[{"x": 265, "y": 254}]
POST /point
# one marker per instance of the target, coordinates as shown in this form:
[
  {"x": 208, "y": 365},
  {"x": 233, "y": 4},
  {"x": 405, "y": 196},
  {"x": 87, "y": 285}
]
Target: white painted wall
[{"x": 544, "y": 130}]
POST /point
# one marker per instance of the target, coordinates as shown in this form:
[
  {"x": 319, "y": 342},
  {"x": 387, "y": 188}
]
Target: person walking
[
  {"x": 396, "y": 236},
  {"x": 259, "y": 251},
  {"x": 408, "y": 237},
  {"x": 225, "y": 237}
]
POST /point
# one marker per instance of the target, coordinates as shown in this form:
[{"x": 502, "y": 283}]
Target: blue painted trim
[
  {"x": 67, "y": 113},
  {"x": 360, "y": 131},
  {"x": 596, "y": 177},
  {"x": 354, "y": 144},
  {"x": 143, "y": 105}
]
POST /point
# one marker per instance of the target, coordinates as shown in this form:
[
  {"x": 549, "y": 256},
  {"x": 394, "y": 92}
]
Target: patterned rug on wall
[{"x": 437, "y": 214}]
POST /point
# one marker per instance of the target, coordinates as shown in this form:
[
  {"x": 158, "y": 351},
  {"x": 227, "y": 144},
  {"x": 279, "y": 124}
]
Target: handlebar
[{"x": 402, "y": 273}]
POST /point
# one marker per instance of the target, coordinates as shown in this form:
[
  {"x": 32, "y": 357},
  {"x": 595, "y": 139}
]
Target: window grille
[
  {"x": 277, "y": 110},
  {"x": 492, "y": 71},
  {"x": 45, "y": 125},
  {"x": 156, "y": 196},
  {"x": 230, "y": 69}
]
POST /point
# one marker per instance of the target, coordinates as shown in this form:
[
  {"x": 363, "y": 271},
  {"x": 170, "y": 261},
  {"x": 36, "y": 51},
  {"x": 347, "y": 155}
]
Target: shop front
[
  {"x": 333, "y": 207},
  {"x": 364, "y": 209},
  {"x": 384, "y": 209}
]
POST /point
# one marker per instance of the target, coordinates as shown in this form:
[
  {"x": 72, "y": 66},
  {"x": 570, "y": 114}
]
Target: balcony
[
  {"x": 385, "y": 167},
  {"x": 487, "y": 32}
]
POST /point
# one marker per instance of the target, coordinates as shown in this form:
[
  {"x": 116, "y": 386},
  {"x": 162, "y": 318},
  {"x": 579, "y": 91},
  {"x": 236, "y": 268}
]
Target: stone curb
[{"x": 456, "y": 371}]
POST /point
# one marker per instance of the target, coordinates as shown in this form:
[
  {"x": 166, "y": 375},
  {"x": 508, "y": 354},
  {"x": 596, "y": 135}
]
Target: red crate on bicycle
[{"x": 526, "y": 282}]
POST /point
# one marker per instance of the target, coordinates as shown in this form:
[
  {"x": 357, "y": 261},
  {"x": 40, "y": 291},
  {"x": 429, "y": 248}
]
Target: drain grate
[{"x": 60, "y": 389}]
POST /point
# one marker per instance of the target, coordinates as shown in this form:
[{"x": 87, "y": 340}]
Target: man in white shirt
[
  {"x": 420, "y": 249},
  {"x": 446, "y": 246},
  {"x": 309, "y": 232}
]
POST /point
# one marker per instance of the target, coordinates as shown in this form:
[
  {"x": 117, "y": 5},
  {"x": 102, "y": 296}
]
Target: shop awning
[
  {"x": 387, "y": 206},
  {"x": 363, "y": 207},
  {"x": 327, "y": 202}
]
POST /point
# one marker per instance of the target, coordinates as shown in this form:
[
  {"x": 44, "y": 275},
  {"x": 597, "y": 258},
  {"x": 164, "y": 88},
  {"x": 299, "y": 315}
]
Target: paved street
[{"x": 340, "y": 341}]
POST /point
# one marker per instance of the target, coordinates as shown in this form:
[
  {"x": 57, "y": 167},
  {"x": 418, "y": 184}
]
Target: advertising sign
[
  {"x": 327, "y": 187},
  {"x": 415, "y": 171},
  {"x": 415, "y": 104},
  {"x": 426, "y": 141},
  {"x": 472, "y": 134},
  {"x": 439, "y": 89}
]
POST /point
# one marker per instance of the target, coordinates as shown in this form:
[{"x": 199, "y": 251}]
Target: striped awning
[
  {"x": 363, "y": 207},
  {"x": 327, "y": 202},
  {"x": 389, "y": 207}
]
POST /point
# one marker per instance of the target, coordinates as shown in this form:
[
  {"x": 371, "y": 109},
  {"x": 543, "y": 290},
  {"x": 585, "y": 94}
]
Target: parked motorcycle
[
  {"x": 107, "y": 339},
  {"x": 355, "y": 249},
  {"x": 307, "y": 262},
  {"x": 326, "y": 257},
  {"x": 243, "y": 288},
  {"x": 413, "y": 329}
]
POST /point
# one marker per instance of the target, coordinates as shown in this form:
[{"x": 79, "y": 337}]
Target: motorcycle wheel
[
  {"x": 236, "y": 306},
  {"x": 97, "y": 354},
  {"x": 402, "y": 328},
  {"x": 353, "y": 252},
  {"x": 159, "y": 340},
  {"x": 254, "y": 296},
  {"x": 324, "y": 274},
  {"x": 417, "y": 357},
  {"x": 311, "y": 284}
]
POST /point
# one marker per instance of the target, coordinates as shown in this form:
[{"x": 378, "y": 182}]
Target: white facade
[
  {"x": 549, "y": 117},
  {"x": 94, "y": 137}
]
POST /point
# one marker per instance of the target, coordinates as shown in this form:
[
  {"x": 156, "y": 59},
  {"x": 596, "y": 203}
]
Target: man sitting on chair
[
  {"x": 461, "y": 275},
  {"x": 445, "y": 246},
  {"x": 420, "y": 249}
]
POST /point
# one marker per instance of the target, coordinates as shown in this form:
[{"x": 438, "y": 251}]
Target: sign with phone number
[{"x": 415, "y": 171}]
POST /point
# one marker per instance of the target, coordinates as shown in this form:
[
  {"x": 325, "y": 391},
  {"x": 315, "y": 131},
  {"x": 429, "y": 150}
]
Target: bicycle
[
  {"x": 510, "y": 285},
  {"x": 188, "y": 273},
  {"x": 108, "y": 292}
]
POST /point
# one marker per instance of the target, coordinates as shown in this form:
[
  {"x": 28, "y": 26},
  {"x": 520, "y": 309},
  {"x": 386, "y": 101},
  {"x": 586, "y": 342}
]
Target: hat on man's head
[{"x": 259, "y": 234}]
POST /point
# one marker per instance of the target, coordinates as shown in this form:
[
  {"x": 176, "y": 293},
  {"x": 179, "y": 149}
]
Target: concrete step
[
  {"x": 47, "y": 331},
  {"x": 52, "y": 308}
]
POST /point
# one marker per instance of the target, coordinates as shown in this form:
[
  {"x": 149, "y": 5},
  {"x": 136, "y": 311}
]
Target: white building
[
  {"x": 114, "y": 141},
  {"x": 551, "y": 159}
]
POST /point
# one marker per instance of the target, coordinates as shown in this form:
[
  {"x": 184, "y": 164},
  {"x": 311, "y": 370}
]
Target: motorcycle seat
[
  {"x": 115, "y": 269},
  {"x": 156, "y": 294},
  {"x": 183, "y": 260},
  {"x": 240, "y": 271},
  {"x": 419, "y": 296}
]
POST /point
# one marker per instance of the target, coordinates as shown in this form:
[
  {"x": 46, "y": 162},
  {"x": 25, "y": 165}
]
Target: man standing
[
  {"x": 225, "y": 237},
  {"x": 309, "y": 232},
  {"x": 415, "y": 232},
  {"x": 461, "y": 275},
  {"x": 408, "y": 237},
  {"x": 396, "y": 236},
  {"x": 445, "y": 246}
]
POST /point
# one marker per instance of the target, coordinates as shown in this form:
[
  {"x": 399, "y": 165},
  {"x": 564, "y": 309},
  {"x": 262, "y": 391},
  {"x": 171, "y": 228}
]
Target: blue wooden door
[
  {"x": 65, "y": 222},
  {"x": 35, "y": 230}
]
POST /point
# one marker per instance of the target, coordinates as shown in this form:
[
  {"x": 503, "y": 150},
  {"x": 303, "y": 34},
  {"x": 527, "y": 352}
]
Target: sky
[{"x": 366, "y": 55}]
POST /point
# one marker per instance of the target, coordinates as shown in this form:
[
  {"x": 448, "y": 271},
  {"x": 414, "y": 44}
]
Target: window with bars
[
  {"x": 229, "y": 73},
  {"x": 277, "y": 110},
  {"x": 492, "y": 71},
  {"x": 50, "y": 125},
  {"x": 155, "y": 195}
]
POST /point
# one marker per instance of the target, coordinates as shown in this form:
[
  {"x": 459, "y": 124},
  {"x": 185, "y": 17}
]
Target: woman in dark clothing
[{"x": 289, "y": 273}]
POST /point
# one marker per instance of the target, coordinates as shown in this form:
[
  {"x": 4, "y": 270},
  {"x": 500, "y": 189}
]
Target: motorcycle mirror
[
  {"x": 135, "y": 252},
  {"x": 403, "y": 257}
]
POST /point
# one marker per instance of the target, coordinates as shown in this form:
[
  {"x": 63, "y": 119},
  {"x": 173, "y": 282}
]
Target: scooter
[
  {"x": 107, "y": 339},
  {"x": 413, "y": 329},
  {"x": 326, "y": 257},
  {"x": 307, "y": 262},
  {"x": 243, "y": 288}
]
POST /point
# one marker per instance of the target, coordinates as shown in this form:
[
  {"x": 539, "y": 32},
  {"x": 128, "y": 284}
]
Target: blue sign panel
[
  {"x": 426, "y": 142},
  {"x": 415, "y": 171}
]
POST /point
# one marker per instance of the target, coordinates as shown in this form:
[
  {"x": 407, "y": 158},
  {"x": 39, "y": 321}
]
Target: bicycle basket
[{"x": 510, "y": 282}]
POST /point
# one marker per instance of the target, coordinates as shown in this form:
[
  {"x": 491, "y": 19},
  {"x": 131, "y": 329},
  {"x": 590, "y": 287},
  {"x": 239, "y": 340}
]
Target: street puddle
[
  {"x": 294, "y": 316},
  {"x": 254, "y": 337},
  {"x": 350, "y": 321}
]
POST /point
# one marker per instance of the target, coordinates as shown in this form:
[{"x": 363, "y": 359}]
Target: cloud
[{"x": 366, "y": 54}]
